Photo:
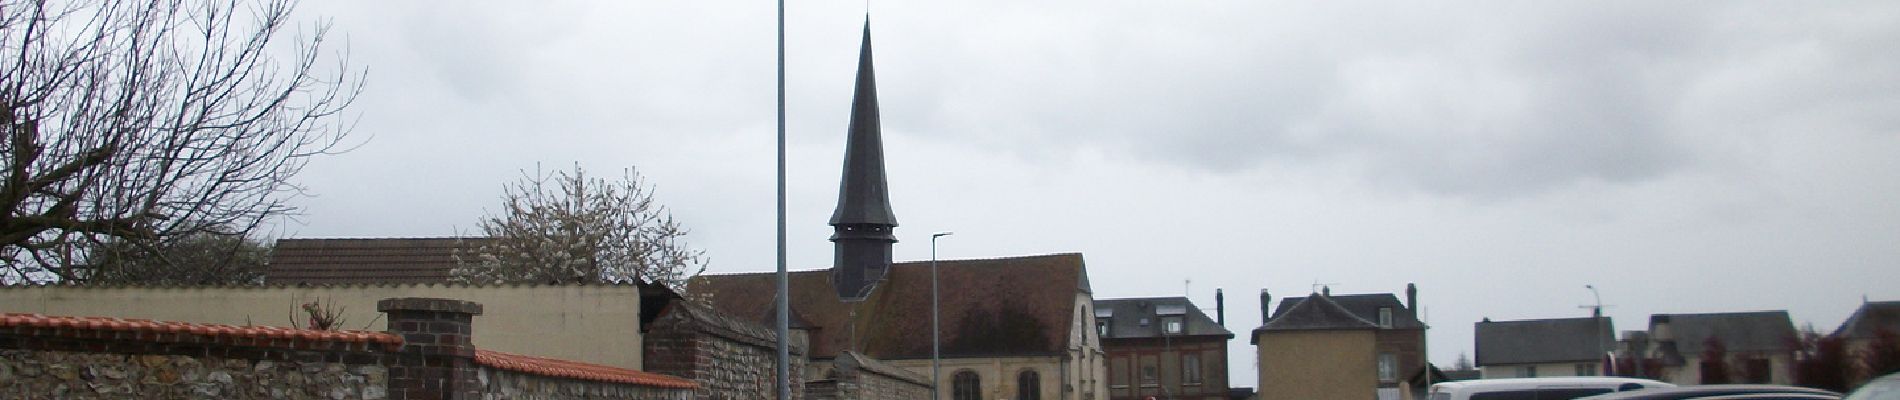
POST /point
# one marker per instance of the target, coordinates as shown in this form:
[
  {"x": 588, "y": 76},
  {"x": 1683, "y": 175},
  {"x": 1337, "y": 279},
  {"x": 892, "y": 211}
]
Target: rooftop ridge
[{"x": 915, "y": 263}]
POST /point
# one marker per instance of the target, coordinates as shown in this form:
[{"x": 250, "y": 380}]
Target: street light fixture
[
  {"x": 1597, "y": 313},
  {"x": 936, "y": 346}
]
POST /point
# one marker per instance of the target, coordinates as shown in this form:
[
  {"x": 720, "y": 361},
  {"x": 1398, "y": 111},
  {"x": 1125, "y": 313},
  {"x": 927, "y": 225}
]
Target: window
[
  {"x": 1191, "y": 369},
  {"x": 1028, "y": 385},
  {"x": 965, "y": 385},
  {"x": 1385, "y": 317},
  {"x": 1101, "y": 327},
  {"x": 1172, "y": 324},
  {"x": 1388, "y": 367},
  {"x": 1118, "y": 372},
  {"x": 1586, "y": 369},
  {"x": 1530, "y": 371},
  {"x": 1148, "y": 375}
]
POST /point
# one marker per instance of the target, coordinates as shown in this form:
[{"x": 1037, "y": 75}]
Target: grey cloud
[{"x": 1513, "y": 101}]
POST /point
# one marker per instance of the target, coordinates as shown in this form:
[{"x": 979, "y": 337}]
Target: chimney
[
  {"x": 1326, "y": 291},
  {"x": 1266, "y": 312},
  {"x": 1411, "y": 297},
  {"x": 1220, "y": 308}
]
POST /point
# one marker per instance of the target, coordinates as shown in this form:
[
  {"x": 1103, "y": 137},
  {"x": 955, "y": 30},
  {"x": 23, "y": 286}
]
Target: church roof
[
  {"x": 863, "y": 197},
  {"x": 1003, "y": 306}
]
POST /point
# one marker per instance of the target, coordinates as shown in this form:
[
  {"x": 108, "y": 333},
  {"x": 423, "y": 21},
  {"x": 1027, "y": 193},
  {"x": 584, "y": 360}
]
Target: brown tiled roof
[
  {"x": 1004, "y": 306},
  {"x": 182, "y": 332},
  {"x": 379, "y": 260},
  {"x": 577, "y": 370}
]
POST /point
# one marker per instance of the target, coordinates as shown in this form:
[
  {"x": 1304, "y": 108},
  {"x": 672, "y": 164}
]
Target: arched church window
[{"x": 965, "y": 385}]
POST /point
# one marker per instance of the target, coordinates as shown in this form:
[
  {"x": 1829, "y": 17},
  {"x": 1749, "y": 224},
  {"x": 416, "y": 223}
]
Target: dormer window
[
  {"x": 1385, "y": 317},
  {"x": 1101, "y": 327},
  {"x": 1171, "y": 325}
]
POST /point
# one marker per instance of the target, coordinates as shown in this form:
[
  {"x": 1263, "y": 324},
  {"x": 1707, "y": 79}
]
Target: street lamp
[
  {"x": 1597, "y": 313},
  {"x": 936, "y": 346}
]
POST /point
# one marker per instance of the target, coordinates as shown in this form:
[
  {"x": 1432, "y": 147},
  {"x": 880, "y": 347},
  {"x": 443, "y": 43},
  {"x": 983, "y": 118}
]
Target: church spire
[{"x": 862, "y": 223}]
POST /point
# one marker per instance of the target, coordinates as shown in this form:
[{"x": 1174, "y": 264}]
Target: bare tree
[
  {"x": 571, "y": 227},
  {"x": 141, "y": 120},
  {"x": 193, "y": 259}
]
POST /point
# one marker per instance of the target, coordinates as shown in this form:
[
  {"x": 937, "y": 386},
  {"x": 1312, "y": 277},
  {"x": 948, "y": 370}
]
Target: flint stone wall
[
  {"x": 729, "y": 358},
  {"x": 44, "y": 374},
  {"x": 856, "y": 377},
  {"x": 508, "y": 385}
]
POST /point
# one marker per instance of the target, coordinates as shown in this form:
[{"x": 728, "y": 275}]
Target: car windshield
[{"x": 1884, "y": 389}]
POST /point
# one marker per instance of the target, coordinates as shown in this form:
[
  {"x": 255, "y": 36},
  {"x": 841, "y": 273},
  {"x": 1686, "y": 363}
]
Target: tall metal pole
[
  {"x": 1597, "y": 313},
  {"x": 784, "y": 279},
  {"x": 936, "y": 347}
]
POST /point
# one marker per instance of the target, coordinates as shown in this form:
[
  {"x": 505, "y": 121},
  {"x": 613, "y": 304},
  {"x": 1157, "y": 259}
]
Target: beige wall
[
  {"x": 597, "y": 324},
  {"x": 996, "y": 375},
  {"x": 1780, "y": 368},
  {"x": 1543, "y": 370},
  {"x": 1084, "y": 367},
  {"x": 1300, "y": 365}
]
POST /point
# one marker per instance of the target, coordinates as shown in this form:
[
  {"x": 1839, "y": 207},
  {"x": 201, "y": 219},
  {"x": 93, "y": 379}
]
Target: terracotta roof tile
[
  {"x": 377, "y": 260},
  {"x": 577, "y": 370},
  {"x": 214, "y": 332}
]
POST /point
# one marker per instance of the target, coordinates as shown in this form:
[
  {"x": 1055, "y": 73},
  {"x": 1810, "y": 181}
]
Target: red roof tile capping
[
  {"x": 577, "y": 370},
  {"x": 213, "y": 332}
]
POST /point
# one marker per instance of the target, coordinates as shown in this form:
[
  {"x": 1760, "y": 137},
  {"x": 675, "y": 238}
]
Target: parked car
[
  {"x": 1706, "y": 391},
  {"x": 1538, "y": 388},
  {"x": 1882, "y": 388},
  {"x": 1773, "y": 396}
]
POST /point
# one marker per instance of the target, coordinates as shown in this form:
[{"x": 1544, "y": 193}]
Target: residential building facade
[
  {"x": 1399, "y": 337},
  {"x": 1316, "y": 349},
  {"x": 1873, "y": 321},
  {"x": 1162, "y": 347},
  {"x": 1543, "y": 347},
  {"x": 1754, "y": 346}
]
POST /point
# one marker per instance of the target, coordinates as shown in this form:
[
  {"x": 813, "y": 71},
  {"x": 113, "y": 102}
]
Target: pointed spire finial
[{"x": 863, "y": 221}]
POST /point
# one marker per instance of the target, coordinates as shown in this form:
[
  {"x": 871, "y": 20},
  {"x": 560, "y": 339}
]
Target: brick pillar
[{"x": 437, "y": 360}]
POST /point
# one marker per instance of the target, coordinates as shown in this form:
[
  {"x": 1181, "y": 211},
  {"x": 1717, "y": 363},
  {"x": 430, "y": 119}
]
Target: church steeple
[{"x": 862, "y": 223}]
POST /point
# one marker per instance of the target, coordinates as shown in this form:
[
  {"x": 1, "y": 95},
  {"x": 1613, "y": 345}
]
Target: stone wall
[
  {"x": 63, "y": 374},
  {"x": 427, "y": 353},
  {"x": 855, "y": 377},
  {"x": 729, "y": 358},
  {"x": 499, "y": 384}
]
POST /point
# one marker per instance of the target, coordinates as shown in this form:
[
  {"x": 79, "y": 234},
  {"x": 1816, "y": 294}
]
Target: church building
[{"x": 1011, "y": 327}]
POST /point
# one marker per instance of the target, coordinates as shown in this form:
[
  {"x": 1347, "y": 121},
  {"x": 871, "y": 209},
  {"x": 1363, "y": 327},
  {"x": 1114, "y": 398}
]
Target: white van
[{"x": 1538, "y": 388}]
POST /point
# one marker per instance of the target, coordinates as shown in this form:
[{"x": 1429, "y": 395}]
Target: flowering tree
[{"x": 571, "y": 227}]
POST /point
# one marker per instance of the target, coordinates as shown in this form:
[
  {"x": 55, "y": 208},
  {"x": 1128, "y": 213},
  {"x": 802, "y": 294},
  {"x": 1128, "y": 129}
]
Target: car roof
[
  {"x": 1574, "y": 381},
  {"x": 1701, "y": 391}
]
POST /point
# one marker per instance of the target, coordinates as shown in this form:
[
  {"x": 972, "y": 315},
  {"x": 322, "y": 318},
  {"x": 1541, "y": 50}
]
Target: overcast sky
[{"x": 1681, "y": 156}]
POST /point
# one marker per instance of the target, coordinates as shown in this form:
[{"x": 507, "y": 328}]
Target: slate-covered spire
[{"x": 862, "y": 223}]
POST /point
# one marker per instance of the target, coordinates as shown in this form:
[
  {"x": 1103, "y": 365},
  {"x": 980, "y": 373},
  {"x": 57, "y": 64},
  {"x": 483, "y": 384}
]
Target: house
[
  {"x": 1400, "y": 337},
  {"x": 1543, "y": 347},
  {"x": 1014, "y": 327},
  {"x": 1872, "y": 322},
  {"x": 1317, "y": 349},
  {"x": 1754, "y": 346},
  {"x": 1163, "y": 347},
  {"x": 366, "y": 260}
]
